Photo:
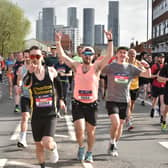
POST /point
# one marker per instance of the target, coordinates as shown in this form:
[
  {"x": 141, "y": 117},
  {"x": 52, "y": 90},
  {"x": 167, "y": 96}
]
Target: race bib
[
  {"x": 44, "y": 101},
  {"x": 121, "y": 79},
  {"x": 61, "y": 69},
  {"x": 85, "y": 94}
]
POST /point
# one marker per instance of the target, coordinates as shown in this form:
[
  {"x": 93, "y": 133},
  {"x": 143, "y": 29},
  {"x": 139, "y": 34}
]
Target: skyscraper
[
  {"x": 39, "y": 31},
  {"x": 113, "y": 21},
  {"x": 88, "y": 26},
  {"x": 72, "y": 20},
  {"x": 48, "y": 24},
  {"x": 99, "y": 34}
]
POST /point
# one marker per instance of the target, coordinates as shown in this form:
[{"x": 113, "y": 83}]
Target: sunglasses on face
[
  {"x": 87, "y": 53},
  {"x": 35, "y": 56}
]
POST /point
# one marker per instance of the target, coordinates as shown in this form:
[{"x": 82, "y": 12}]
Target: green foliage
[{"x": 13, "y": 27}]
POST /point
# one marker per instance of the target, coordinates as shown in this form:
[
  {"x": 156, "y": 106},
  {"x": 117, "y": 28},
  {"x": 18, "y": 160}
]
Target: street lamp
[{"x": 147, "y": 18}]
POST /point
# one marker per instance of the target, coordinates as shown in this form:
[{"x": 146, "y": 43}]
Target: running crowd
[{"x": 39, "y": 83}]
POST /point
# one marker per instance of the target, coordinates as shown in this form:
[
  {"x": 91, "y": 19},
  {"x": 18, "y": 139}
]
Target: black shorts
[
  {"x": 156, "y": 91},
  {"x": 25, "y": 104},
  {"x": 84, "y": 110},
  {"x": 143, "y": 81},
  {"x": 43, "y": 127},
  {"x": 134, "y": 94},
  {"x": 117, "y": 108},
  {"x": 15, "y": 80}
]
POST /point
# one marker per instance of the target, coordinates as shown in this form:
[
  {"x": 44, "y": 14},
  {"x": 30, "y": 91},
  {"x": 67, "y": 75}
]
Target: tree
[{"x": 13, "y": 27}]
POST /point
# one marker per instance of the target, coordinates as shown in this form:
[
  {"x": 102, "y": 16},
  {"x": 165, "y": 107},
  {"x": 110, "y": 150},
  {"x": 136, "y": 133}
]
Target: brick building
[{"x": 160, "y": 27}]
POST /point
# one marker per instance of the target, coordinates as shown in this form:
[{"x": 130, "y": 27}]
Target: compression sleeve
[{"x": 58, "y": 87}]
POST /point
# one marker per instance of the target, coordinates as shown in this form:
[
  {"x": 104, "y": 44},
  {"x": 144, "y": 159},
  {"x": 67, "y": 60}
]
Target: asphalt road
[{"x": 143, "y": 147}]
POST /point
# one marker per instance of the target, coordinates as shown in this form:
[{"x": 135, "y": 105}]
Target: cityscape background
[{"x": 132, "y": 15}]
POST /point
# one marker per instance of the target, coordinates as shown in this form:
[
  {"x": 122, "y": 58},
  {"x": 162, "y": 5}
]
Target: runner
[
  {"x": 84, "y": 104},
  {"x": 41, "y": 80},
  {"x": 134, "y": 88},
  {"x": 158, "y": 87},
  {"x": 119, "y": 76},
  {"x": 9, "y": 73},
  {"x": 64, "y": 73},
  {"x": 25, "y": 100},
  {"x": 163, "y": 77},
  {"x": 19, "y": 62},
  {"x": 144, "y": 82}
]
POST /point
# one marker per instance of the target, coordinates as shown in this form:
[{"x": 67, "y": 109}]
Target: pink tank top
[{"x": 86, "y": 85}]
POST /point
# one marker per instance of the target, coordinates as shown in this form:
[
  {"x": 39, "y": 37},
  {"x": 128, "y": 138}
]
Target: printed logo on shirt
[
  {"x": 85, "y": 94},
  {"x": 121, "y": 78}
]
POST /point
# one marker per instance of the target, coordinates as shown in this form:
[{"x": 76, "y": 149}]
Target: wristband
[{"x": 110, "y": 40}]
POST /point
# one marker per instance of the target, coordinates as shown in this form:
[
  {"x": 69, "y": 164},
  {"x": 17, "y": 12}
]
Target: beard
[{"x": 86, "y": 61}]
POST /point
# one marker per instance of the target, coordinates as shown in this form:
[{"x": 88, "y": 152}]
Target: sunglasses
[
  {"x": 35, "y": 56},
  {"x": 87, "y": 53}
]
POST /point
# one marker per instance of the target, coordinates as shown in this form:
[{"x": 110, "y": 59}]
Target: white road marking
[
  {"x": 26, "y": 165},
  {"x": 16, "y": 133},
  {"x": 87, "y": 165},
  {"x": 164, "y": 144},
  {"x": 61, "y": 136},
  {"x": 3, "y": 162},
  {"x": 70, "y": 126}
]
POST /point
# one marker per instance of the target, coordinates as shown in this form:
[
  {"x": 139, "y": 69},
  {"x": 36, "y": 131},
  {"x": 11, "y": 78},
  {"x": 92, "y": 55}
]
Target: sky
[{"x": 133, "y": 15}]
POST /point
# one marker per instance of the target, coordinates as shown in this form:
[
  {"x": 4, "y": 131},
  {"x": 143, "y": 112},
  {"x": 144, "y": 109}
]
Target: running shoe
[
  {"x": 89, "y": 157},
  {"x": 54, "y": 157},
  {"x": 113, "y": 150},
  {"x": 58, "y": 115},
  {"x": 17, "y": 110},
  {"x": 152, "y": 113},
  {"x": 81, "y": 153},
  {"x": 22, "y": 144},
  {"x": 129, "y": 125},
  {"x": 163, "y": 127}
]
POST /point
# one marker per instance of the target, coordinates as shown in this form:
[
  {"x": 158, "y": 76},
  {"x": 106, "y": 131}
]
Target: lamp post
[{"x": 147, "y": 18}]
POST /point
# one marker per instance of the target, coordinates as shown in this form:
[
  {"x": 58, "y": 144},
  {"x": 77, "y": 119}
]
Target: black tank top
[{"x": 43, "y": 97}]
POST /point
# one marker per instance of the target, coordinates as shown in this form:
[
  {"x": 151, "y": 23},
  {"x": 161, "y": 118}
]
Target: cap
[
  {"x": 53, "y": 47},
  {"x": 89, "y": 49},
  {"x": 161, "y": 55},
  {"x": 122, "y": 48}
]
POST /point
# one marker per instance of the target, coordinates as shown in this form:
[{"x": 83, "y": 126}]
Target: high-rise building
[
  {"x": 49, "y": 21},
  {"x": 160, "y": 27},
  {"x": 88, "y": 26},
  {"x": 72, "y": 20},
  {"x": 113, "y": 21},
  {"x": 99, "y": 34},
  {"x": 39, "y": 31},
  {"x": 73, "y": 33}
]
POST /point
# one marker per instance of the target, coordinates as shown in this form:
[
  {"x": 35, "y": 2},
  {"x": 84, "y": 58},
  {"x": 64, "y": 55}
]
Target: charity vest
[
  {"x": 43, "y": 97},
  {"x": 86, "y": 85}
]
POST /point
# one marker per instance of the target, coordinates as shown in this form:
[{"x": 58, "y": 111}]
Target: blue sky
[{"x": 132, "y": 15}]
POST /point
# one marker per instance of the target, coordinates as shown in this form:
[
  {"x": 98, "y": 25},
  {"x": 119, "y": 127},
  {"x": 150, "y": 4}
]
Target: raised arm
[
  {"x": 68, "y": 61},
  {"x": 109, "y": 54}
]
